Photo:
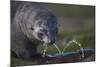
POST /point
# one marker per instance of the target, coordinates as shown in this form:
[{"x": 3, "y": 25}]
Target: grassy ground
[{"x": 85, "y": 38}]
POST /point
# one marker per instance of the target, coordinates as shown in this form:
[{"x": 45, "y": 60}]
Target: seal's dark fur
[{"x": 23, "y": 16}]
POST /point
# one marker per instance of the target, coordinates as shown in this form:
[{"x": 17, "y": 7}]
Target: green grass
[{"x": 85, "y": 38}]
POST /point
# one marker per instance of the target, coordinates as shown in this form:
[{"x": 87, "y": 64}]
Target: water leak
[
  {"x": 74, "y": 41},
  {"x": 63, "y": 51},
  {"x": 80, "y": 47},
  {"x": 57, "y": 48},
  {"x": 45, "y": 49}
]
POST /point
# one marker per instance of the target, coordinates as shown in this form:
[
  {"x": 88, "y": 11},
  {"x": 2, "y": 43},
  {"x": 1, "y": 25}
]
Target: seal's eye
[
  {"x": 40, "y": 35},
  {"x": 32, "y": 28}
]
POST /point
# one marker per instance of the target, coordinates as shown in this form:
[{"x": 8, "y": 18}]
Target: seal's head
[
  {"x": 37, "y": 22},
  {"x": 46, "y": 28}
]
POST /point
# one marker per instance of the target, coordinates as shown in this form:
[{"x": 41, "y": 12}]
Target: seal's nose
[{"x": 52, "y": 42}]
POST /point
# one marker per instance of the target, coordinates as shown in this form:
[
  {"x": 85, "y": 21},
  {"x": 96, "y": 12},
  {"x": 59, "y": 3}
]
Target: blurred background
[{"x": 76, "y": 21}]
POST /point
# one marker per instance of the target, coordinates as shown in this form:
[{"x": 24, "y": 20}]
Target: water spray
[
  {"x": 45, "y": 49},
  {"x": 74, "y": 41},
  {"x": 62, "y": 52},
  {"x": 57, "y": 48}
]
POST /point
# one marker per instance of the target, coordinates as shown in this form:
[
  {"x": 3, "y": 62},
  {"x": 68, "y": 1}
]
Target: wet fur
[{"x": 23, "y": 15}]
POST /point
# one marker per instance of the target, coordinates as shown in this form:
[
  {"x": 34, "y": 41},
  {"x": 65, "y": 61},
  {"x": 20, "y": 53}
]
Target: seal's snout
[
  {"x": 52, "y": 42},
  {"x": 49, "y": 41},
  {"x": 53, "y": 39}
]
